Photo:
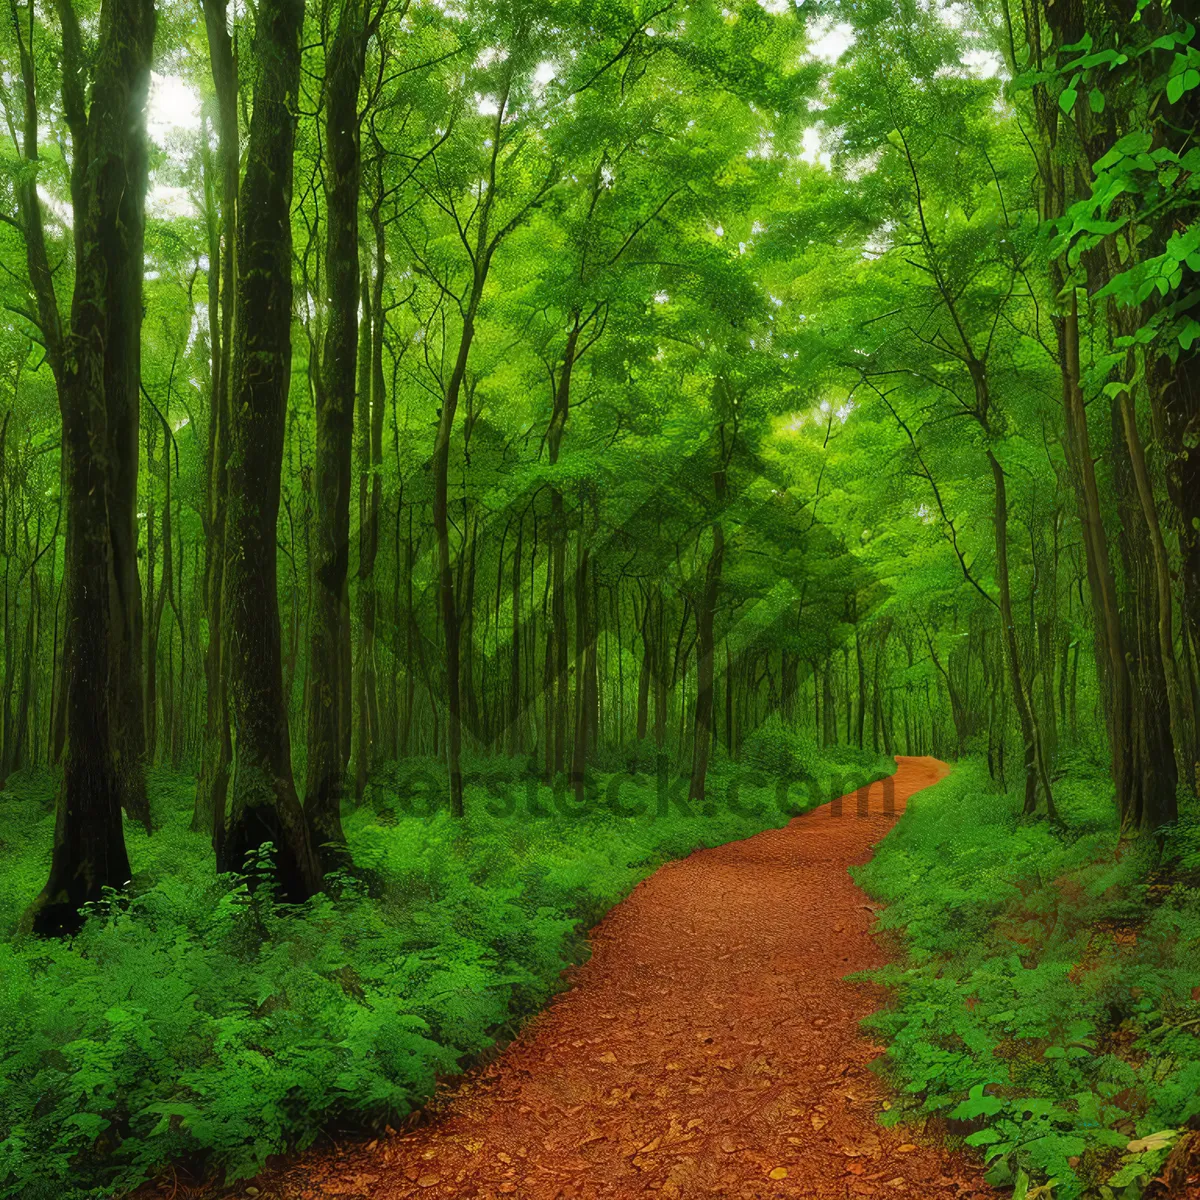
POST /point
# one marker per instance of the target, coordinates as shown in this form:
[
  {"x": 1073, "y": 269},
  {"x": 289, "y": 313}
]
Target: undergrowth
[
  {"x": 1048, "y": 1008},
  {"x": 195, "y": 1020}
]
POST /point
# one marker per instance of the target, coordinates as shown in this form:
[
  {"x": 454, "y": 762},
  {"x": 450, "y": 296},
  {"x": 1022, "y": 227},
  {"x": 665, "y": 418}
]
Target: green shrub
[{"x": 778, "y": 750}]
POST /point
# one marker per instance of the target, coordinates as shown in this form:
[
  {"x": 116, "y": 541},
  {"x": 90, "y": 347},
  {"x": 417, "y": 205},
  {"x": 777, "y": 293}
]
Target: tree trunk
[
  {"x": 441, "y": 529},
  {"x": 1180, "y": 407},
  {"x": 1035, "y": 768},
  {"x": 705, "y": 615},
  {"x": 410, "y": 638},
  {"x": 15, "y": 752},
  {"x": 467, "y": 624},
  {"x": 1061, "y": 181},
  {"x": 1163, "y": 596},
  {"x": 584, "y": 646},
  {"x": 1177, "y": 405},
  {"x": 122, "y": 358},
  {"x": 264, "y": 806},
  {"x": 98, "y": 372},
  {"x": 862, "y": 686},
  {"x": 513, "y": 733},
  {"x": 591, "y": 683},
  {"x": 558, "y": 552},
  {"x": 328, "y": 719},
  {"x": 660, "y": 675},
  {"x": 217, "y": 750},
  {"x": 789, "y": 684},
  {"x": 370, "y": 501},
  {"x": 1152, "y": 801},
  {"x": 828, "y": 707},
  {"x": 643, "y": 700},
  {"x": 154, "y": 606}
]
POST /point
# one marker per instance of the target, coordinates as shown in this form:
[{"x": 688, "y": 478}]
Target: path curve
[{"x": 709, "y": 1047}]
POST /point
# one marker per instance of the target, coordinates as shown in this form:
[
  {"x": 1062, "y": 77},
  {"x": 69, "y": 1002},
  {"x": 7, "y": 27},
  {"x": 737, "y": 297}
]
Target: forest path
[{"x": 709, "y": 1047}]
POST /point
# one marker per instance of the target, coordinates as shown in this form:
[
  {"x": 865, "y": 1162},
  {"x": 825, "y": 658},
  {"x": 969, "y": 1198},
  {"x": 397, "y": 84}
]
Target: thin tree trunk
[
  {"x": 660, "y": 676},
  {"x": 514, "y": 664},
  {"x": 862, "y": 686},
  {"x": 370, "y": 501},
  {"x": 467, "y": 625},
  {"x": 558, "y": 551},
  {"x": 1035, "y": 768},
  {"x": 410, "y": 637},
  {"x": 705, "y": 616},
  {"x": 579, "y": 750},
  {"x": 154, "y": 605},
  {"x": 212, "y": 786},
  {"x": 643, "y": 701}
]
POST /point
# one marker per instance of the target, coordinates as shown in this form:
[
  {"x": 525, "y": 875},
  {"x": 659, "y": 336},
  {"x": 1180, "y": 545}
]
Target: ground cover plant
[{"x": 1048, "y": 1006}]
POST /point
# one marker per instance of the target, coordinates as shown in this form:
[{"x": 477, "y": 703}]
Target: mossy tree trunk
[
  {"x": 329, "y": 697},
  {"x": 96, "y": 362},
  {"x": 264, "y": 806}
]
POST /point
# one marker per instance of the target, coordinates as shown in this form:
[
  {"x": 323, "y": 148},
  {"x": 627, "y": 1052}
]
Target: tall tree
[
  {"x": 96, "y": 359},
  {"x": 221, "y": 226},
  {"x": 264, "y": 806},
  {"x": 329, "y": 693},
  {"x": 1133, "y": 642},
  {"x": 498, "y": 203}
]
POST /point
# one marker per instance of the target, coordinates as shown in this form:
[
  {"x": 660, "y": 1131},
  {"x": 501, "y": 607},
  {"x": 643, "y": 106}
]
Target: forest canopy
[{"x": 398, "y": 396}]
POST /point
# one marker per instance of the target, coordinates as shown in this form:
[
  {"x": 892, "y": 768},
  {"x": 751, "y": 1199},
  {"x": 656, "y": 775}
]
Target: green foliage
[
  {"x": 1146, "y": 180},
  {"x": 196, "y": 1018},
  {"x": 778, "y": 750},
  {"x": 781, "y": 751},
  {"x": 1044, "y": 1006}
]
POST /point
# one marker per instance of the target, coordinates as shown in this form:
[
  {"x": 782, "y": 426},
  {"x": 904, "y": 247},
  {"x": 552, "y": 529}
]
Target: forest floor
[{"x": 709, "y": 1047}]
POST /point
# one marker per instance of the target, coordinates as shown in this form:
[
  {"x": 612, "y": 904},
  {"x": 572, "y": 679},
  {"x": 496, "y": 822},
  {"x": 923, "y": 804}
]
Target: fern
[{"x": 1012, "y": 994}]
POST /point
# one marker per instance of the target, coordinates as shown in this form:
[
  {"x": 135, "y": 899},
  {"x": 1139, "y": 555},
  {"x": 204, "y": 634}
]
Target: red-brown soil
[{"x": 709, "y": 1047}]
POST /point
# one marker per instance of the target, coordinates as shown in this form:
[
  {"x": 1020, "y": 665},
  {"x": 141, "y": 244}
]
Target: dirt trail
[{"x": 710, "y": 1047}]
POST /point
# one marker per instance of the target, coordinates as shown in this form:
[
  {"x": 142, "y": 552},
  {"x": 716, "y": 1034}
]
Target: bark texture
[
  {"x": 97, "y": 366},
  {"x": 263, "y": 806}
]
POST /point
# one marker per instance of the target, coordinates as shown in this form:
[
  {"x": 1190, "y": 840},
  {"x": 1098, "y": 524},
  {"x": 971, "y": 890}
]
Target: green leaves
[
  {"x": 1184, "y": 75},
  {"x": 1129, "y": 146},
  {"x": 978, "y": 1104},
  {"x": 1146, "y": 176},
  {"x": 1144, "y": 1158}
]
